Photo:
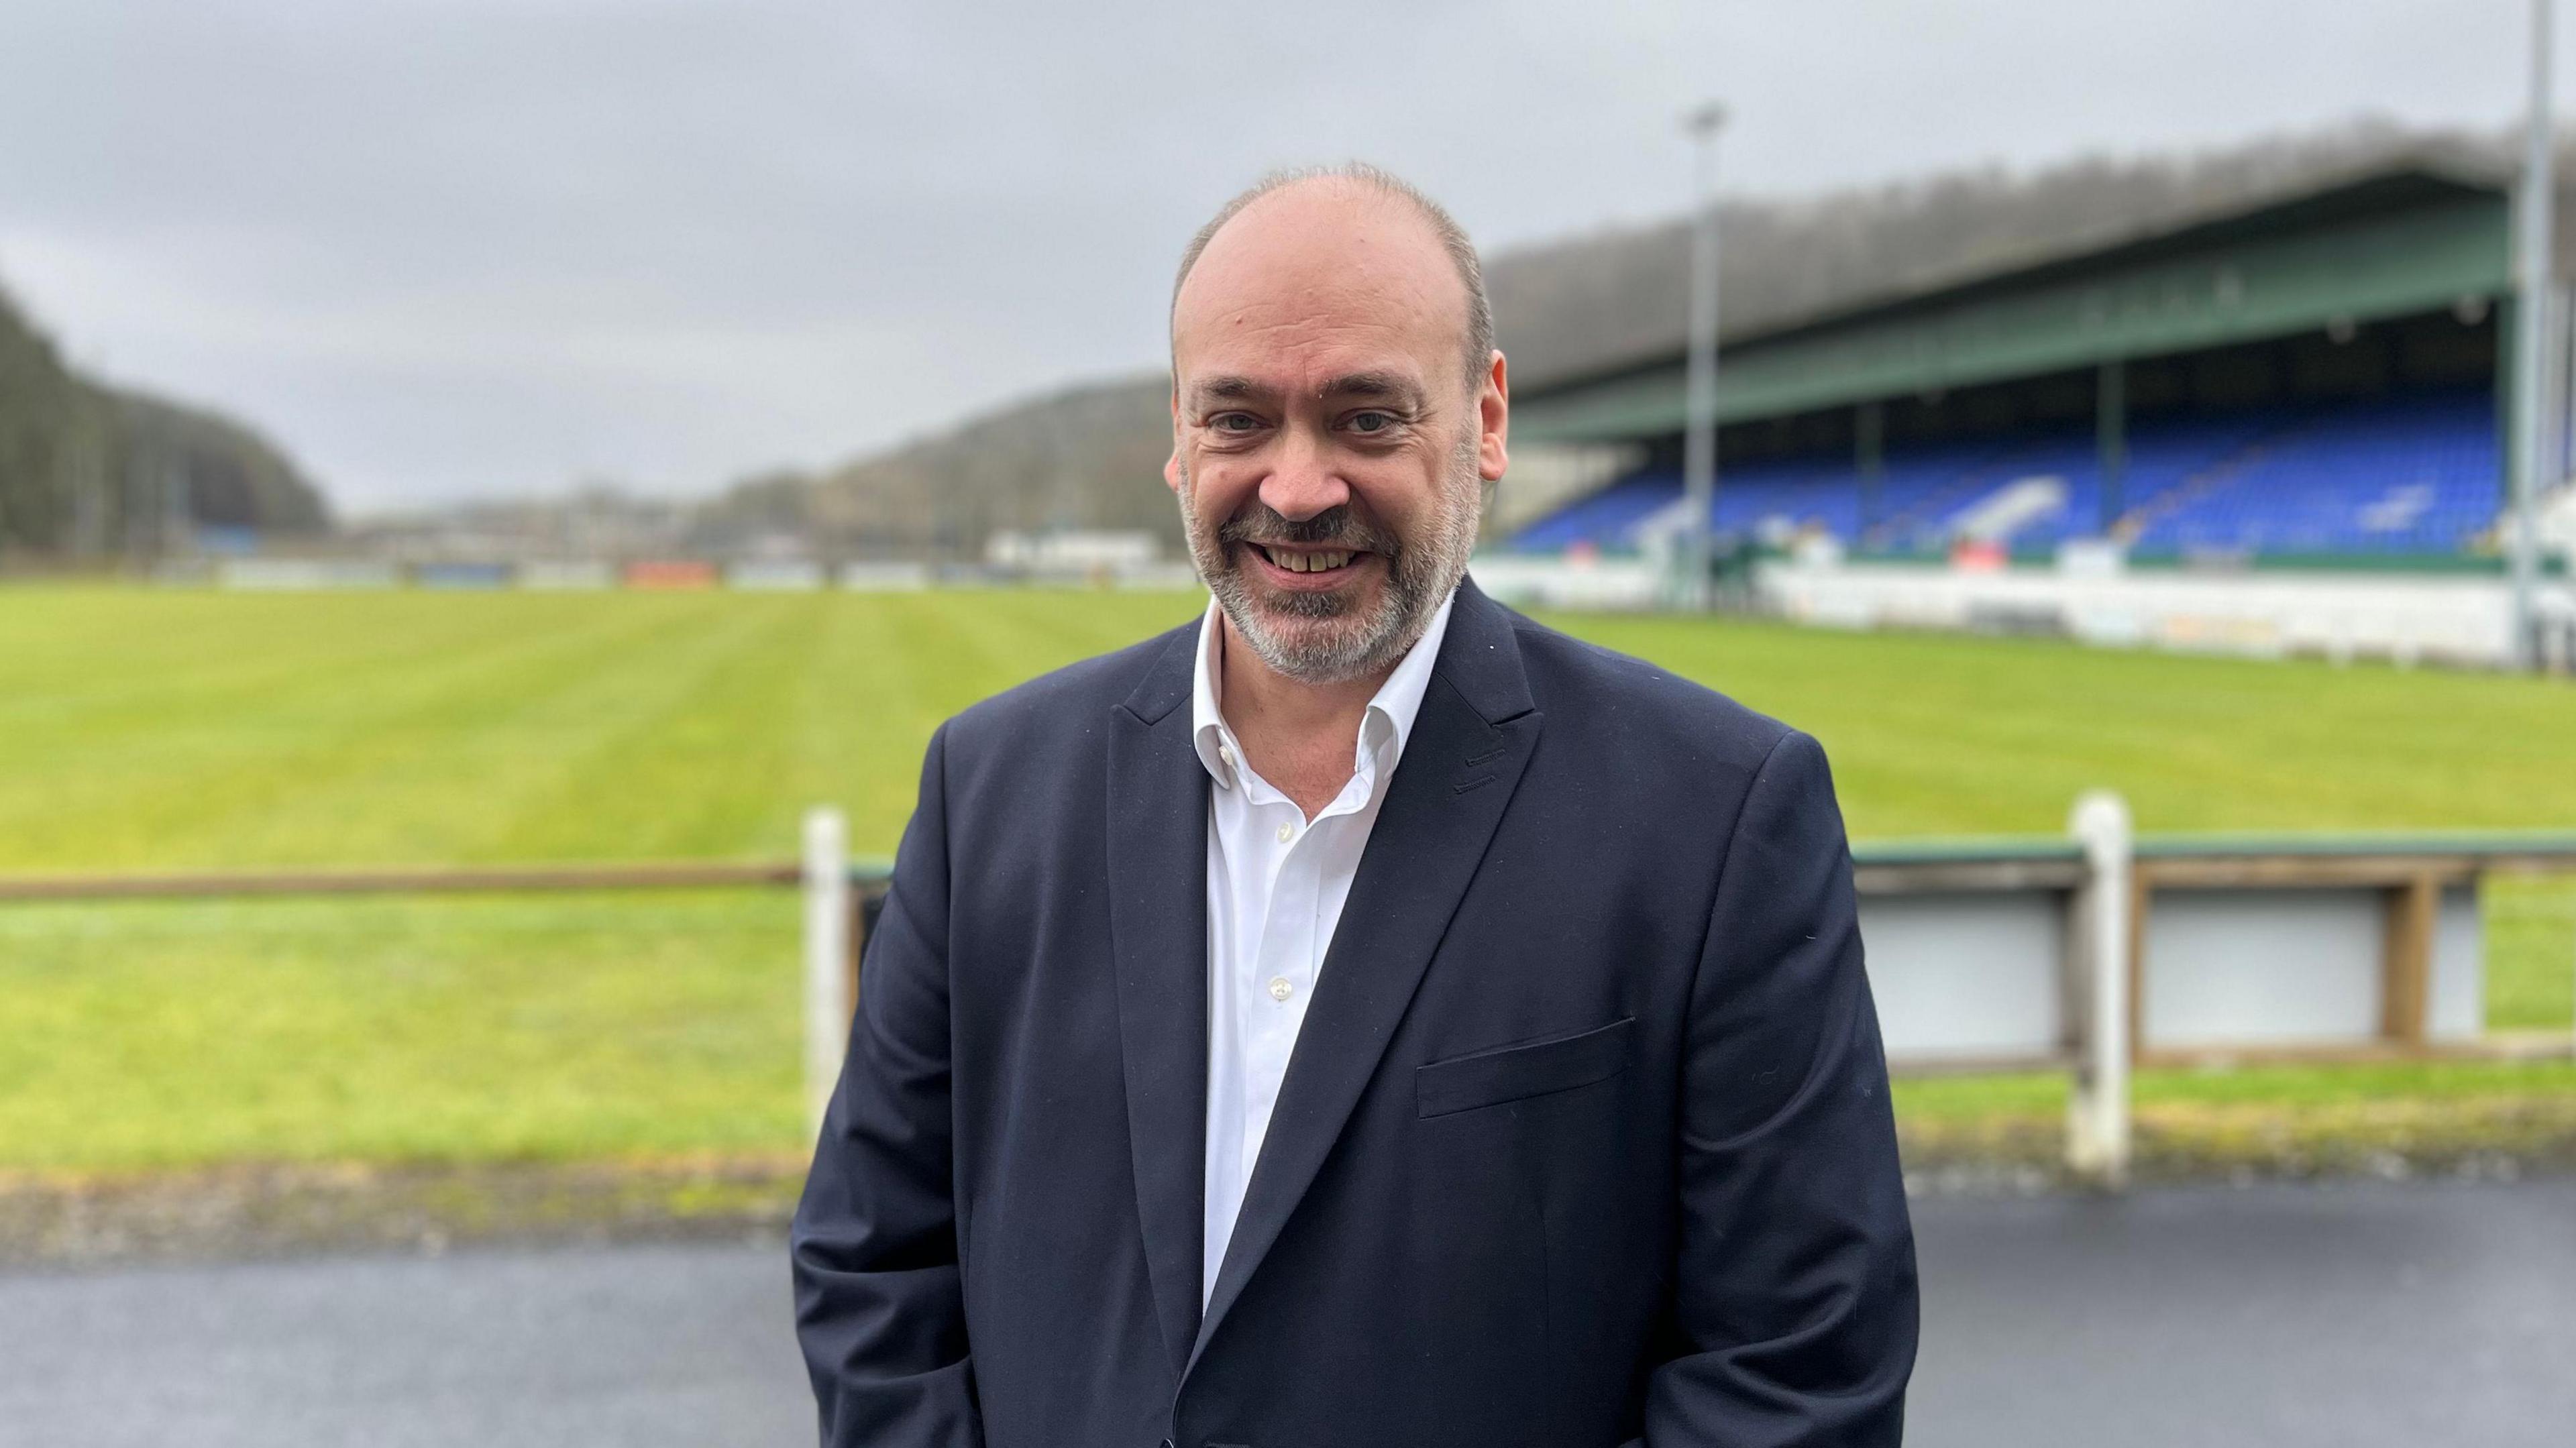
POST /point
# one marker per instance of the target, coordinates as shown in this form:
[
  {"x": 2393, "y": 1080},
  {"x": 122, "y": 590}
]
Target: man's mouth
[{"x": 1307, "y": 560}]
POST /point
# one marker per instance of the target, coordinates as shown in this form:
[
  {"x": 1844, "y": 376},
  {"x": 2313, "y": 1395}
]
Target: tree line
[{"x": 90, "y": 472}]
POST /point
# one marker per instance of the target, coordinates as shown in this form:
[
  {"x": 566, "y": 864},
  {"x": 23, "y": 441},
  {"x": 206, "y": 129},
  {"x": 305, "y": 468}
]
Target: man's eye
[
  {"x": 1372, "y": 421},
  {"x": 1234, "y": 422}
]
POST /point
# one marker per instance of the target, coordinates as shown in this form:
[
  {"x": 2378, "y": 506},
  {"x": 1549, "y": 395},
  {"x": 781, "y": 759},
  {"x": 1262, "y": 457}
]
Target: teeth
[{"x": 1309, "y": 562}]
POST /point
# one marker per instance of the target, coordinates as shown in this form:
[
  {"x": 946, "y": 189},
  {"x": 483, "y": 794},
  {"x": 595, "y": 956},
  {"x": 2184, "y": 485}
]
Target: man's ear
[
  {"x": 1172, "y": 464},
  {"x": 1494, "y": 422}
]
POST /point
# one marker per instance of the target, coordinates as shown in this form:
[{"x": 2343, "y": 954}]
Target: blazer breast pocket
[{"x": 1510, "y": 1073}]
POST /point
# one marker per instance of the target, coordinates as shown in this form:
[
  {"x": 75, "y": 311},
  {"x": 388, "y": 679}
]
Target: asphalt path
[{"x": 2353, "y": 1314}]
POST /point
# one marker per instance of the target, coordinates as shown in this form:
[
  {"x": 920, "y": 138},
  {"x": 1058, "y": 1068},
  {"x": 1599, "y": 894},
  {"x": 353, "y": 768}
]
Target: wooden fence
[{"x": 2088, "y": 953}]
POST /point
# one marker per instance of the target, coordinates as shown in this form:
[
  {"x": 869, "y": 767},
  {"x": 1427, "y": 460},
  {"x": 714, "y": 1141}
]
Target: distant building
[{"x": 1072, "y": 552}]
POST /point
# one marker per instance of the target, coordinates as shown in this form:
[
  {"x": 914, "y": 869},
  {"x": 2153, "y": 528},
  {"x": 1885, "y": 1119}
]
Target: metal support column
[
  {"x": 1869, "y": 459},
  {"x": 2111, "y": 436}
]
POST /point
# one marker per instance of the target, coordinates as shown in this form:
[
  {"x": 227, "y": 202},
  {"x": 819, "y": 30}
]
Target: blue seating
[
  {"x": 1607, "y": 518},
  {"x": 2412, "y": 474},
  {"x": 2419, "y": 475}
]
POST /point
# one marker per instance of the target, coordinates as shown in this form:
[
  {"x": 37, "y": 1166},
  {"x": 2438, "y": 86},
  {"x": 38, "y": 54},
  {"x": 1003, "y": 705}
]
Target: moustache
[{"x": 1337, "y": 527}]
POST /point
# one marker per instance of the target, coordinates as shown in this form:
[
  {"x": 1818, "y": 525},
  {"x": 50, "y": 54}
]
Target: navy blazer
[{"x": 1585, "y": 1139}]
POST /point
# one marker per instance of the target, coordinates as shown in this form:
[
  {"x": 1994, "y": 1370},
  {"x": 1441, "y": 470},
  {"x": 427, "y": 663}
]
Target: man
[{"x": 1361, "y": 1017}]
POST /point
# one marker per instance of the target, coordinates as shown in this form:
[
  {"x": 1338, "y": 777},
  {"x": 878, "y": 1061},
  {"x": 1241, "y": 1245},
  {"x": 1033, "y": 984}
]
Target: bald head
[{"x": 1364, "y": 213}]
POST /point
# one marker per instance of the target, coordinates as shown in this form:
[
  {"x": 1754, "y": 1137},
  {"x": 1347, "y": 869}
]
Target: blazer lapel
[
  {"x": 1157, "y": 859},
  {"x": 1464, "y": 758}
]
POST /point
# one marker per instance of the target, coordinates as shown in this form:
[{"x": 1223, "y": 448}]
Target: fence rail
[
  {"x": 218, "y": 884},
  {"x": 2087, "y": 953}
]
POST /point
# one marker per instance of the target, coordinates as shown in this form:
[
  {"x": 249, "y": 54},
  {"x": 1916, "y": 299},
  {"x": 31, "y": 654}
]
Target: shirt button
[
  {"x": 1286, "y": 833},
  {"x": 1225, "y": 755},
  {"x": 1280, "y": 989}
]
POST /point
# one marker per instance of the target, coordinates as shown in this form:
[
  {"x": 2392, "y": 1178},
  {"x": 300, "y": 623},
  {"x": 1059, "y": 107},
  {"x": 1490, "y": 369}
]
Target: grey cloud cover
[{"x": 477, "y": 248}]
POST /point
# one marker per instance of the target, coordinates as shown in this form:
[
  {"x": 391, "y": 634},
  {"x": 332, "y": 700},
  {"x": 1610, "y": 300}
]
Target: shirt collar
[{"x": 1389, "y": 720}]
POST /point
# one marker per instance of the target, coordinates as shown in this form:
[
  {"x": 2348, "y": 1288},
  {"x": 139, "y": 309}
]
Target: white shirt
[{"x": 1275, "y": 888}]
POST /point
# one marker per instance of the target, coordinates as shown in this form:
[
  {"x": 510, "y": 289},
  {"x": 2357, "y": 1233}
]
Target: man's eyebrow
[
  {"x": 1390, "y": 387},
  {"x": 1381, "y": 386},
  {"x": 1226, "y": 389}
]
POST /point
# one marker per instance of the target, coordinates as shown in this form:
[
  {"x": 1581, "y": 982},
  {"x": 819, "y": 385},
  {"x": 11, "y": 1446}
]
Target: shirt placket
[
  {"x": 1292, "y": 946},
  {"x": 1280, "y": 974}
]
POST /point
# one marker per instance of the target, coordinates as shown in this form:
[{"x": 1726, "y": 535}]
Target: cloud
[{"x": 443, "y": 249}]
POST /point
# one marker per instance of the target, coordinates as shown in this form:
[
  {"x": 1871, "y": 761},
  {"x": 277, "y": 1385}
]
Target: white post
[
  {"x": 827, "y": 950},
  {"x": 2097, "y": 1122}
]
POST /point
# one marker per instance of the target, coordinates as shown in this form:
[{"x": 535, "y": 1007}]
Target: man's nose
[{"x": 1304, "y": 483}]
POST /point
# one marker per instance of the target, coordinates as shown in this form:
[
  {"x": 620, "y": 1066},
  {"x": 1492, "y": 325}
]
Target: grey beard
[{"x": 1421, "y": 574}]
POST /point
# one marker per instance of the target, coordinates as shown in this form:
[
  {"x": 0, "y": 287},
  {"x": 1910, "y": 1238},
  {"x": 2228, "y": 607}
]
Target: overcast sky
[{"x": 492, "y": 247}]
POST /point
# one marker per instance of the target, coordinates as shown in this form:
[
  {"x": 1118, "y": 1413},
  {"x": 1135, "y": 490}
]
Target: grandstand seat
[{"x": 2415, "y": 474}]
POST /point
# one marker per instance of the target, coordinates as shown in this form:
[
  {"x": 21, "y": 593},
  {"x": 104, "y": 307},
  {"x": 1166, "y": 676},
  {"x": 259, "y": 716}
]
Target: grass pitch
[{"x": 152, "y": 729}]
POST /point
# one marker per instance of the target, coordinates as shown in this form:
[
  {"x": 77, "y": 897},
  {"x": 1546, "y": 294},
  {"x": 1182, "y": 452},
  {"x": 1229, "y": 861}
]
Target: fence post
[
  {"x": 827, "y": 949},
  {"x": 2097, "y": 1124}
]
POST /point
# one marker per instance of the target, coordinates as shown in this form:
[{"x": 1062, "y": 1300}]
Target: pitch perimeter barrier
[
  {"x": 841, "y": 897},
  {"x": 2089, "y": 953}
]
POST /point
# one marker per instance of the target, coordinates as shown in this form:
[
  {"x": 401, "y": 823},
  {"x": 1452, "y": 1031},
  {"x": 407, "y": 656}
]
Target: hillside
[
  {"x": 1086, "y": 457},
  {"x": 88, "y": 470},
  {"x": 1090, "y": 457}
]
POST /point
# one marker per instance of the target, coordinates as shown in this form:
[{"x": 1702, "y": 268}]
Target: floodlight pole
[
  {"x": 1699, "y": 401},
  {"x": 2531, "y": 344}
]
